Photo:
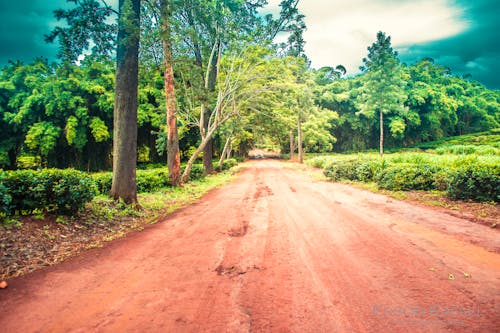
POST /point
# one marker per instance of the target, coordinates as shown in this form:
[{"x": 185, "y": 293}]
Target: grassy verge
[{"x": 39, "y": 240}]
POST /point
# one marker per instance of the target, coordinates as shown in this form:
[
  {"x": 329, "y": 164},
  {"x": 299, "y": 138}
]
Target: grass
[{"x": 163, "y": 201}]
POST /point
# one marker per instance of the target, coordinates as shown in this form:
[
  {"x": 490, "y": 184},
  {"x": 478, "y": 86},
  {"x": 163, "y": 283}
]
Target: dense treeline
[
  {"x": 234, "y": 90},
  {"x": 438, "y": 105}
]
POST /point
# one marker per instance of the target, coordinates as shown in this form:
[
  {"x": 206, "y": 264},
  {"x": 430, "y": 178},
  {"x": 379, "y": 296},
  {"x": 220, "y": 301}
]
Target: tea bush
[
  {"x": 54, "y": 190},
  {"x": 475, "y": 181}
]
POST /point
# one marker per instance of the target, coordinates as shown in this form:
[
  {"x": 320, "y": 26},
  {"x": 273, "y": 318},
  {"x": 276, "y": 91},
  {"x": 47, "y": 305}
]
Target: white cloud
[{"x": 339, "y": 31}]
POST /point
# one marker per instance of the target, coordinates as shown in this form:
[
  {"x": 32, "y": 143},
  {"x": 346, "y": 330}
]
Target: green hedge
[
  {"x": 148, "y": 180},
  {"x": 469, "y": 177},
  {"x": 229, "y": 163},
  {"x": 340, "y": 170},
  {"x": 403, "y": 176},
  {"x": 197, "y": 172},
  {"x": 54, "y": 190},
  {"x": 476, "y": 182}
]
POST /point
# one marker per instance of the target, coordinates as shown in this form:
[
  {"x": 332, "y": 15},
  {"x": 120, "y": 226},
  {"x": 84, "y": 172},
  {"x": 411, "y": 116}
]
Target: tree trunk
[
  {"x": 173, "y": 153},
  {"x": 292, "y": 145},
  {"x": 381, "y": 133},
  {"x": 208, "y": 152},
  {"x": 225, "y": 152},
  {"x": 189, "y": 165},
  {"x": 299, "y": 134},
  {"x": 125, "y": 111}
]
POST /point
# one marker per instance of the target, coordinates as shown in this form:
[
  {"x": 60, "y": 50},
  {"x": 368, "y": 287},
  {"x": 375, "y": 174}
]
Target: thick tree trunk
[
  {"x": 173, "y": 153},
  {"x": 299, "y": 134},
  {"x": 381, "y": 133},
  {"x": 292, "y": 145},
  {"x": 125, "y": 111},
  {"x": 208, "y": 153}
]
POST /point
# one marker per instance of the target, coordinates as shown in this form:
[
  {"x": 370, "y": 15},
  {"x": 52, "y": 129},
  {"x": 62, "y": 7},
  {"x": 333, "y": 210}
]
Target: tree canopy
[{"x": 235, "y": 89}]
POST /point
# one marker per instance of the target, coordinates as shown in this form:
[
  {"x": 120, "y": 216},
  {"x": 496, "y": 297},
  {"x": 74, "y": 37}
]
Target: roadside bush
[
  {"x": 103, "y": 181},
  {"x": 148, "y": 180},
  {"x": 475, "y": 181},
  {"x": 319, "y": 161},
  {"x": 341, "y": 169},
  {"x": 61, "y": 191},
  {"x": 404, "y": 176},
  {"x": 229, "y": 163},
  {"x": 5, "y": 198},
  {"x": 368, "y": 170},
  {"x": 71, "y": 190},
  {"x": 197, "y": 172},
  {"x": 152, "y": 180}
]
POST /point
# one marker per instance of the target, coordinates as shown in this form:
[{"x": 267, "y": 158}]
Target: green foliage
[
  {"x": 43, "y": 137},
  {"x": 475, "y": 182},
  {"x": 152, "y": 180},
  {"x": 5, "y": 197},
  {"x": 99, "y": 129},
  {"x": 341, "y": 170},
  {"x": 148, "y": 180},
  {"x": 103, "y": 181},
  {"x": 53, "y": 190},
  {"x": 468, "y": 150},
  {"x": 229, "y": 163},
  {"x": 474, "y": 177},
  {"x": 197, "y": 172},
  {"x": 404, "y": 176}
]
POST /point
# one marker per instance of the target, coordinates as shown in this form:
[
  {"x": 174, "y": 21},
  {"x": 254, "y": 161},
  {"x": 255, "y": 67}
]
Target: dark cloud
[
  {"x": 22, "y": 27},
  {"x": 475, "y": 51}
]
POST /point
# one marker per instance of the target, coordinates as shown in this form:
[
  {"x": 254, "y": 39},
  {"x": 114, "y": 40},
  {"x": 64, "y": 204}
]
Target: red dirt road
[{"x": 275, "y": 251}]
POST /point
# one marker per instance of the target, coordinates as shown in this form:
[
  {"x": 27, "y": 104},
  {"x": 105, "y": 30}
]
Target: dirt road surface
[{"x": 275, "y": 251}]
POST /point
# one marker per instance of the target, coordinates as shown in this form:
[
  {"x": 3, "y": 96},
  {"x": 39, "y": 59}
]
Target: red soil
[{"x": 274, "y": 252}]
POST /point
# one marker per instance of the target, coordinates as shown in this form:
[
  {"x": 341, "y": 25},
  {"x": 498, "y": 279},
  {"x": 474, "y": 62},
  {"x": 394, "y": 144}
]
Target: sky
[{"x": 460, "y": 34}]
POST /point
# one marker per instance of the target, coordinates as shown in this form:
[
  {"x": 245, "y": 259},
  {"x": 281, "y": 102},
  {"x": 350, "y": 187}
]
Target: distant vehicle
[{"x": 261, "y": 154}]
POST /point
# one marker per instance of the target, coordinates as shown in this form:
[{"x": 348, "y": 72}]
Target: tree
[
  {"x": 173, "y": 153},
  {"x": 87, "y": 29},
  {"x": 383, "y": 90},
  {"x": 125, "y": 112}
]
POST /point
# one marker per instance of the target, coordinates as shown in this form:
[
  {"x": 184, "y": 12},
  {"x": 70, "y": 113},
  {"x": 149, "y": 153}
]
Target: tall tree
[
  {"x": 87, "y": 29},
  {"x": 173, "y": 153},
  {"x": 125, "y": 112},
  {"x": 384, "y": 87}
]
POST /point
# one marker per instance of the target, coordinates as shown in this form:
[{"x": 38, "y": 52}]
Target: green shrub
[
  {"x": 229, "y": 163},
  {"x": 103, "y": 181},
  {"x": 367, "y": 170},
  {"x": 404, "y": 176},
  {"x": 440, "y": 179},
  {"x": 72, "y": 190},
  {"x": 152, "y": 180},
  {"x": 341, "y": 169},
  {"x": 5, "y": 197},
  {"x": 148, "y": 180},
  {"x": 197, "y": 172},
  {"x": 62, "y": 191},
  {"x": 479, "y": 182}
]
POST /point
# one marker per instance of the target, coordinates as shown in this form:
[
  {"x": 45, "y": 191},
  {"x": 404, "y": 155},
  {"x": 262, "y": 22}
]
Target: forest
[{"x": 188, "y": 82}]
